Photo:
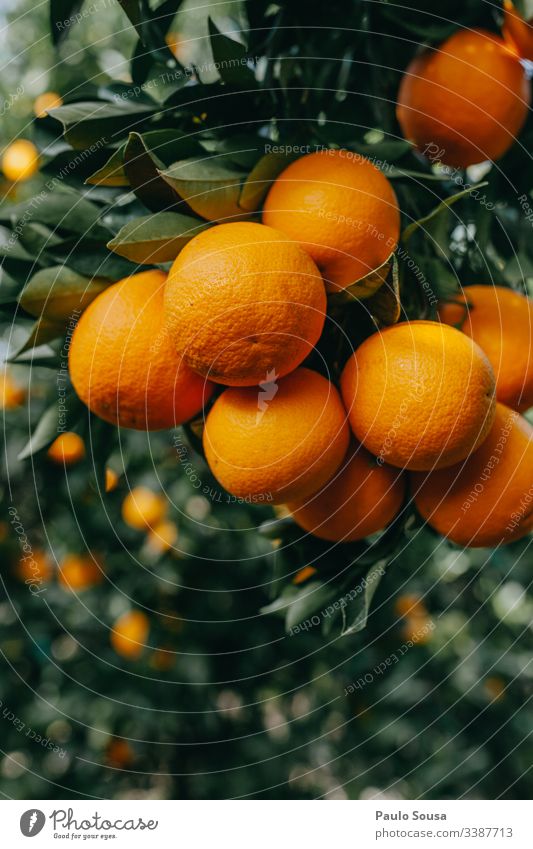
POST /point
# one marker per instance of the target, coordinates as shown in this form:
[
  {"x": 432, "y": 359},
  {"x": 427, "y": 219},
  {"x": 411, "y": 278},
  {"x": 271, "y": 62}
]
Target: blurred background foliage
[{"x": 433, "y": 699}]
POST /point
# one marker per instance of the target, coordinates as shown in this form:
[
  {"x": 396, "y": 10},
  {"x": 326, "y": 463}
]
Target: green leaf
[
  {"x": 155, "y": 238},
  {"x": 442, "y": 207},
  {"x": 209, "y": 187},
  {"x": 144, "y": 156},
  {"x": 231, "y": 58},
  {"x": 64, "y": 210},
  {"x": 355, "y": 613},
  {"x": 366, "y": 286},
  {"x": 313, "y": 597},
  {"x": 112, "y": 173},
  {"x": 99, "y": 122},
  {"x": 260, "y": 179},
  {"x": 385, "y": 304},
  {"x": 48, "y": 427},
  {"x": 62, "y": 17},
  {"x": 43, "y": 331},
  {"x": 57, "y": 291}
]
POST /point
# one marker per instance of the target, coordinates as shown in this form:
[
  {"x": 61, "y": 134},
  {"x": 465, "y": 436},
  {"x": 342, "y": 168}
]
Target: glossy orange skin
[
  {"x": 287, "y": 450},
  {"x": 244, "y": 302},
  {"x": 465, "y": 101},
  {"x": 419, "y": 395},
  {"x": 341, "y": 209},
  {"x": 501, "y": 322},
  {"x": 123, "y": 365},
  {"x": 488, "y": 499},
  {"x": 362, "y": 498},
  {"x": 517, "y": 32}
]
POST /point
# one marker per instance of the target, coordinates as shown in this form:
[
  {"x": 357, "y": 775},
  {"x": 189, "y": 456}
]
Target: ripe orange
[
  {"x": 20, "y": 161},
  {"x": 410, "y": 605},
  {"x": 111, "y": 480},
  {"x": 280, "y": 447},
  {"x": 11, "y": 395},
  {"x": 143, "y": 508},
  {"x": 124, "y": 366},
  {"x": 501, "y": 322},
  {"x": 67, "y": 449},
  {"x": 79, "y": 572},
  {"x": 517, "y": 32},
  {"x": 162, "y": 537},
  {"x": 119, "y": 753},
  {"x": 488, "y": 499},
  {"x": 34, "y": 568},
  {"x": 419, "y": 395},
  {"x": 465, "y": 101},
  {"x": 362, "y": 498},
  {"x": 243, "y": 302},
  {"x": 418, "y": 629},
  {"x": 44, "y": 102},
  {"x": 341, "y": 209},
  {"x": 129, "y": 634}
]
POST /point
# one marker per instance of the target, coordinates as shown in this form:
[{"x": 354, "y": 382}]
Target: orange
[
  {"x": 418, "y": 629},
  {"x": 410, "y": 605},
  {"x": 244, "y": 304},
  {"x": 11, "y": 395},
  {"x": 304, "y": 574},
  {"x": 119, "y": 753},
  {"x": 362, "y": 498},
  {"x": 501, "y": 322},
  {"x": 143, "y": 508},
  {"x": 78, "y": 572},
  {"x": 34, "y": 568},
  {"x": 465, "y": 101},
  {"x": 124, "y": 366},
  {"x": 488, "y": 499},
  {"x": 341, "y": 209},
  {"x": 420, "y": 395},
  {"x": 67, "y": 449},
  {"x": 517, "y": 32},
  {"x": 277, "y": 450},
  {"x": 111, "y": 480},
  {"x": 44, "y": 102},
  {"x": 129, "y": 634},
  {"x": 162, "y": 537},
  {"x": 20, "y": 161}
]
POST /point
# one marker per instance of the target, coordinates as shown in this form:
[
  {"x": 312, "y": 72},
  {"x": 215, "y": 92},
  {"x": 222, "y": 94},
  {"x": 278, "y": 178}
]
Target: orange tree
[{"x": 196, "y": 644}]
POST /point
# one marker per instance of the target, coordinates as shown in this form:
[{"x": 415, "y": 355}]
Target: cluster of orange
[{"x": 245, "y": 303}]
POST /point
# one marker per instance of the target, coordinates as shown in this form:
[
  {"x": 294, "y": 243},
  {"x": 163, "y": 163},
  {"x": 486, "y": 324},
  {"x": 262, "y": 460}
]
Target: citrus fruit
[
  {"x": 465, "y": 101},
  {"x": 278, "y": 449},
  {"x": 79, "y": 572},
  {"x": 129, "y": 634},
  {"x": 20, "y": 161},
  {"x": 419, "y": 395},
  {"x": 162, "y": 537},
  {"x": 34, "y": 568},
  {"x": 111, "y": 480},
  {"x": 244, "y": 302},
  {"x": 418, "y": 629},
  {"x": 362, "y": 498},
  {"x": 11, "y": 395},
  {"x": 341, "y": 209},
  {"x": 501, "y": 322},
  {"x": 67, "y": 449},
  {"x": 517, "y": 32},
  {"x": 410, "y": 604},
  {"x": 487, "y": 499},
  {"x": 123, "y": 365},
  {"x": 143, "y": 508},
  {"x": 44, "y": 102},
  {"x": 119, "y": 753}
]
